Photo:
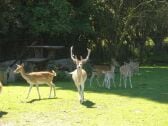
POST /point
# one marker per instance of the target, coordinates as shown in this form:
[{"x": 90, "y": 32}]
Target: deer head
[
  {"x": 19, "y": 68},
  {"x": 79, "y": 63}
]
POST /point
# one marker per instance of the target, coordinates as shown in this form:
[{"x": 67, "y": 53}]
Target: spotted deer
[
  {"x": 126, "y": 71},
  {"x": 37, "y": 78},
  {"x": 99, "y": 70}
]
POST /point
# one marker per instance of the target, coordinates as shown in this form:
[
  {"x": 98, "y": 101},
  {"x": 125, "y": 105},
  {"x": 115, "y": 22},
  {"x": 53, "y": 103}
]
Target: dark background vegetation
[{"x": 120, "y": 29}]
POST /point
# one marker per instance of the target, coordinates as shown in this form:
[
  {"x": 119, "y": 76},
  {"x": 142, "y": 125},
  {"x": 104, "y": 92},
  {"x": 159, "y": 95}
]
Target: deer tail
[{"x": 54, "y": 73}]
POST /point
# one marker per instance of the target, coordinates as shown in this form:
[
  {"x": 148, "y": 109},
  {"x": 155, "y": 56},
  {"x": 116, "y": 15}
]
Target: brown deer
[
  {"x": 37, "y": 78},
  {"x": 98, "y": 70},
  {"x": 79, "y": 75}
]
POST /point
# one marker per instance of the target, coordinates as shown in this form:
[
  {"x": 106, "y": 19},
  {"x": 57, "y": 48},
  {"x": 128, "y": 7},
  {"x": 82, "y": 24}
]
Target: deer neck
[
  {"x": 79, "y": 71},
  {"x": 79, "y": 74},
  {"x": 23, "y": 74}
]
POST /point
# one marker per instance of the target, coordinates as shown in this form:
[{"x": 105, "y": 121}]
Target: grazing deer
[
  {"x": 79, "y": 75},
  {"x": 37, "y": 78},
  {"x": 108, "y": 75},
  {"x": 126, "y": 71},
  {"x": 1, "y": 87}
]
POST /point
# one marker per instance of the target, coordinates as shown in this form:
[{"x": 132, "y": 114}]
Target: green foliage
[
  {"x": 88, "y": 69},
  {"x": 52, "y": 18},
  {"x": 112, "y": 28},
  {"x": 61, "y": 74}
]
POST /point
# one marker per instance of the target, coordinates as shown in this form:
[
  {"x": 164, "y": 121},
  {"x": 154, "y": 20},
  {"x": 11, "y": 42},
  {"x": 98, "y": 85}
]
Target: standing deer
[
  {"x": 108, "y": 76},
  {"x": 37, "y": 78},
  {"x": 1, "y": 86},
  {"x": 79, "y": 75},
  {"x": 98, "y": 70},
  {"x": 126, "y": 71},
  {"x": 134, "y": 66}
]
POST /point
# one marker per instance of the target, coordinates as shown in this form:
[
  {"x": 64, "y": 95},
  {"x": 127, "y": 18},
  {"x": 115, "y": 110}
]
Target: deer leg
[
  {"x": 109, "y": 85},
  {"x": 91, "y": 79},
  {"x": 53, "y": 85},
  {"x": 82, "y": 91},
  {"x": 104, "y": 82},
  {"x": 130, "y": 82},
  {"x": 114, "y": 83},
  {"x": 38, "y": 91},
  {"x": 81, "y": 94},
  {"x": 98, "y": 82},
  {"x": 79, "y": 91},
  {"x": 50, "y": 90},
  {"x": 120, "y": 80},
  {"x": 29, "y": 91},
  {"x": 125, "y": 82}
]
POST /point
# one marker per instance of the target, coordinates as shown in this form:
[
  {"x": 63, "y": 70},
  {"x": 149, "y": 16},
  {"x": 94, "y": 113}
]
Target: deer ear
[
  {"x": 17, "y": 65},
  {"x": 81, "y": 58},
  {"x": 22, "y": 64}
]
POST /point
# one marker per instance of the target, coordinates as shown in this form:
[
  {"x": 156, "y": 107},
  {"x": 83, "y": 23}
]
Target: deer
[
  {"x": 126, "y": 71},
  {"x": 98, "y": 70},
  {"x": 79, "y": 75},
  {"x": 37, "y": 78},
  {"x": 1, "y": 86},
  {"x": 108, "y": 76},
  {"x": 135, "y": 66}
]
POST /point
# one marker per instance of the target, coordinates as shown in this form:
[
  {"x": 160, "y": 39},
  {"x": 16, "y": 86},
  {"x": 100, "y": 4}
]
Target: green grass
[{"x": 144, "y": 105}]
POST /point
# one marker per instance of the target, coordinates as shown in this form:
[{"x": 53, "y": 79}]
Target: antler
[
  {"x": 72, "y": 56},
  {"x": 87, "y": 57}
]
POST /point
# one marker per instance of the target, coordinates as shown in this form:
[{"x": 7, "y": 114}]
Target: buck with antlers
[
  {"x": 79, "y": 75},
  {"x": 37, "y": 78}
]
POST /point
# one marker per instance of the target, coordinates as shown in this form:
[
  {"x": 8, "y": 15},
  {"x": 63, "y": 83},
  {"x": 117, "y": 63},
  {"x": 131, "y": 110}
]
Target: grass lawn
[{"x": 144, "y": 105}]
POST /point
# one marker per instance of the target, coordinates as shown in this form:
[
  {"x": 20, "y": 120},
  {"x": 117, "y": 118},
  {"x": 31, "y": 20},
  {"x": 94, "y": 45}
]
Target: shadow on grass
[
  {"x": 36, "y": 100},
  {"x": 2, "y": 113},
  {"x": 88, "y": 104}
]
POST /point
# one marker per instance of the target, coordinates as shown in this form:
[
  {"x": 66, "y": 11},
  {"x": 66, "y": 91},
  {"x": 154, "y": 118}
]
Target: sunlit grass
[{"x": 144, "y": 105}]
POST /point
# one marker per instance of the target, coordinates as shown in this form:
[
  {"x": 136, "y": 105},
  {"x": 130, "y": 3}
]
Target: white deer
[
  {"x": 1, "y": 87},
  {"x": 37, "y": 78},
  {"x": 108, "y": 76},
  {"x": 79, "y": 75}
]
